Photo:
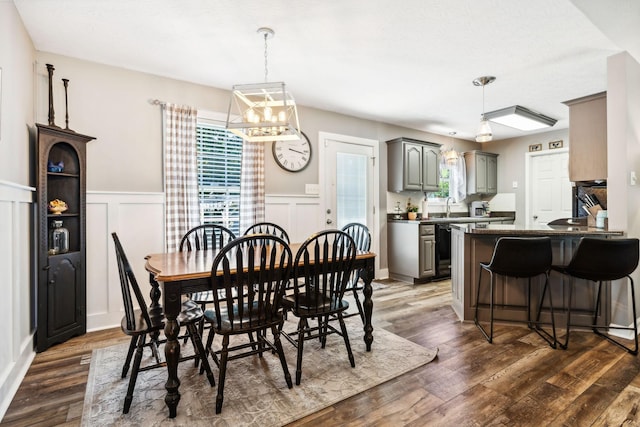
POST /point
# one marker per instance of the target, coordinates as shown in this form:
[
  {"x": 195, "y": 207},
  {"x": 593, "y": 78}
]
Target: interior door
[
  {"x": 550, "y": 188},
  {"x": 348, "y": 184}
]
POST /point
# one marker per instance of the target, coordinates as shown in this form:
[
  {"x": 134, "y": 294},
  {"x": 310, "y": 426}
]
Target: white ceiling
[{"x": 405, "y": 62}]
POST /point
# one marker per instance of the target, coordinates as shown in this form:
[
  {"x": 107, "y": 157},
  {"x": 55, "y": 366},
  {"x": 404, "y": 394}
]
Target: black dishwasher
[{"x": 443, "y": 251}]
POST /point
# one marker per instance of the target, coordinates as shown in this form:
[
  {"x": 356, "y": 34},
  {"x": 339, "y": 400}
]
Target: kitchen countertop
[
  {"x": 533, "y": 230},
  {"x": 453, "y": 220}
]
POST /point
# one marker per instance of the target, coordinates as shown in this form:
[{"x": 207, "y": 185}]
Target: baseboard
[
  {"x": 16, "y": 374},
  {"x": 622, "y": 333}
]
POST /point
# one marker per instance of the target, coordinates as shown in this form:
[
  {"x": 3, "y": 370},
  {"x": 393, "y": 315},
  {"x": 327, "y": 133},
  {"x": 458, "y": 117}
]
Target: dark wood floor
[{"x": 517, "y": 380}]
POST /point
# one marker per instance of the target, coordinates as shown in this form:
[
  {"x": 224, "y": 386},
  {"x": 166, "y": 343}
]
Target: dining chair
[
  {"x": 600, "y": 260},
  {"x": 322, "y": 271},
  {"x": 205, "y": 237},
  {"x": 518, "y": 258},
  {"x": 362, "y": 238},
  {"x": 252, "y": 272},
  {"x": 137, "y": 324},
  {"x": 268, "y": 228}
]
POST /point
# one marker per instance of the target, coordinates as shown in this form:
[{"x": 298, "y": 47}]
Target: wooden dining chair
[
  {"x": 322, "y": 271},
  {"x": 252, "y": 273},
  {"x": 205, "y": 237},
  {"x": 362, "y": 238},
  {"x": 139, "y": 326},
  {"x": 268, "y": 228}
]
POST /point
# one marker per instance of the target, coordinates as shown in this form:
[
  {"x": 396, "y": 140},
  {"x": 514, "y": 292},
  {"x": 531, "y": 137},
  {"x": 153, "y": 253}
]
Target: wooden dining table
[{"x": 172, "y": 275}]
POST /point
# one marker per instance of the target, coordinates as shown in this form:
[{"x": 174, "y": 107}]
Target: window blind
[{"x": 219, "y": 165}]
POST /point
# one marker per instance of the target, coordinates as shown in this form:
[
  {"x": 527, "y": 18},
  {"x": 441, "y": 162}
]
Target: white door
[
  {"x": 349, "y": 183},
  {"x": 549, "y": 188}
]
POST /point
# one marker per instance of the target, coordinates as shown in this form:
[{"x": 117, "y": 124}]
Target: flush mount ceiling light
[
  {"x": 262, "y": 112},
  {"x": 484, "y": 130},
  {"x": 520, "y": 118}
]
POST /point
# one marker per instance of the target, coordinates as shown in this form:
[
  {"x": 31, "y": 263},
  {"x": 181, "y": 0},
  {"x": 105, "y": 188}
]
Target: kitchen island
[{"x": 474, "y": 243}]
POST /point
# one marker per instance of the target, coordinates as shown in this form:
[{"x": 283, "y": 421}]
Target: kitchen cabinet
[
  {"x": 61, "y": 274},
  {"x": 412, "y": 165},
  {"x": 482, "y": 172},
  {"x": 411, "y": 250},
  {"x": 588, "y": 138}
]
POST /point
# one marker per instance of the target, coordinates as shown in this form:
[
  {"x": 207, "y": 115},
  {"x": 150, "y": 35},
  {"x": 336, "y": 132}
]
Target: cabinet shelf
[{"x": 62, "y": 175}]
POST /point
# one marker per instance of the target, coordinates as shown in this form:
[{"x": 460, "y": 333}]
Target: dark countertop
[
  {"x": 453, "y": 220},
  {"x": 533, "y": 230}
]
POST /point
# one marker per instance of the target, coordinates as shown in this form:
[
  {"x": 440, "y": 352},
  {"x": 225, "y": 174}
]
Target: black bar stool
[
  {"x": 603, "y": 260},
  {"x": 520, "y": 257}
]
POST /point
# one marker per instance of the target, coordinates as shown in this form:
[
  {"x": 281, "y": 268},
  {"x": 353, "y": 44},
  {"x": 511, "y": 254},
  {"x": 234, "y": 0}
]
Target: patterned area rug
[{"x": 255, "y": 392}]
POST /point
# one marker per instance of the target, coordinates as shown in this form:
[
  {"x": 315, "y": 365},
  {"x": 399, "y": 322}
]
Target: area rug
[{"x": 255, "y": 391}]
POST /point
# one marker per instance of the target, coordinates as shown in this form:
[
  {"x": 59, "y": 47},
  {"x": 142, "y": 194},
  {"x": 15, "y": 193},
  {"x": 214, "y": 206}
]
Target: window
[
  {"x": 219, "y": 160},
  {"x": 443, "y": 191}
]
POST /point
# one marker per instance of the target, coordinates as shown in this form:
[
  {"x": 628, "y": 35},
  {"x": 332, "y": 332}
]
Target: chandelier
[{"x": 262, "y": 112}]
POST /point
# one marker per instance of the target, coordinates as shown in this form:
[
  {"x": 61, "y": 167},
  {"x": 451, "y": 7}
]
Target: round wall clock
[{"x": 292, "y": 156}]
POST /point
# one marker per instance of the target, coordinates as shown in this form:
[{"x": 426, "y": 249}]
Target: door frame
[
  {"x": 527, "y": 174},
  {"x": 323, "y": 140}
]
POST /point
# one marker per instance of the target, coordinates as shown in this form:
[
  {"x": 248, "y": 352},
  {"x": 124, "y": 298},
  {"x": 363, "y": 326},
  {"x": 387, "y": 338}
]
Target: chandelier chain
[{"x": 266, "y": 72}]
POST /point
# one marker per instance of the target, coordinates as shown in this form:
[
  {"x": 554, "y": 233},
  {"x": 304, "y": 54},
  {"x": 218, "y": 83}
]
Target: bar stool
[
  {"x": 602, "y": 260},
  {"x": 519, "y": 257}
]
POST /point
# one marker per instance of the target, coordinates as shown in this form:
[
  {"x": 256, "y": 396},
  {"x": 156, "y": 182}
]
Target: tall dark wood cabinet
[{"x": 61, "y": 282}]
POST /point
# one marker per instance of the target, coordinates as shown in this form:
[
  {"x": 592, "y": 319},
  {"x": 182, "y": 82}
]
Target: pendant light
[
  {"x": 263, "y": 112},
  {"x": 484, "y": 130}
]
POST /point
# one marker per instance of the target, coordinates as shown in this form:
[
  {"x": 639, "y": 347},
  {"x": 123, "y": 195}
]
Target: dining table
[{"x": 174, "y": 274}]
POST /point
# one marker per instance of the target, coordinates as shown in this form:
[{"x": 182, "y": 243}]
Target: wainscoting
[
  {"x": 138, "y": 218},
  {"x": 16, "y": 352}
]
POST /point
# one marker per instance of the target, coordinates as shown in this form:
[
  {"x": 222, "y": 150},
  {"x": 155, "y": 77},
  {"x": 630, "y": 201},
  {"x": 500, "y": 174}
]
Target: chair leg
[
  {"x": 223, "y": 371},
  {"x": 127, "y": 362},
  {"x": 489, "y": 337},
  {"x": 595, "y": 328},
  {"x": 283, "y": 361},
  {"x": 566, "y": 338},
  {"x": 201, "y": 354},
  {"x": 343, "y": 328},
  {"x": 357, "y": 298},
  {"x": 551, "y": 339},
  {"x": 134, "y": 375},
  {"x": 301, "y": 329}
]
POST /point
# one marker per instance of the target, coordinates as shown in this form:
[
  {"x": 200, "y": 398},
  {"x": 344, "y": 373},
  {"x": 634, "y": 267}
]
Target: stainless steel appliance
[{"x": 479, "y": 209}]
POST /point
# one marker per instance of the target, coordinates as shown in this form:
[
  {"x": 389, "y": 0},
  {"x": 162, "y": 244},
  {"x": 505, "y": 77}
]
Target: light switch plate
[{"x": 312, "y": 189}]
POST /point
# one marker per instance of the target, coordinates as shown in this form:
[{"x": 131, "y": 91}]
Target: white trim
[
  {"x": 323, "y": 137},
  {"x": 12, "y": 192}
]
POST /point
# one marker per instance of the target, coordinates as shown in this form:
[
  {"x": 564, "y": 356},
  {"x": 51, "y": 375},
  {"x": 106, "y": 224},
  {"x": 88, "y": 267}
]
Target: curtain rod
[{"x": 157, "y": 102}]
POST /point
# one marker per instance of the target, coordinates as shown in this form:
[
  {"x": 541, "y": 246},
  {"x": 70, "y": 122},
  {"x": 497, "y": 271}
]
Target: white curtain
[
  {"x": 457, "y": 176},
  {"x": 182, "y": 211},
  {"x": 252, "y": 184}
]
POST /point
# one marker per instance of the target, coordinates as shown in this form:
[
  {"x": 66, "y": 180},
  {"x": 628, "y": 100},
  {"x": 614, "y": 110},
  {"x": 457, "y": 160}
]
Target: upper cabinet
[
  {"x": 412, "y": 165},
  {"x": 588, "y": 138},
  {"x": 482, "y": 172}
]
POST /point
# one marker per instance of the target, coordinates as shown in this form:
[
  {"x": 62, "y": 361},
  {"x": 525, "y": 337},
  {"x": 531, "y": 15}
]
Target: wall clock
[{"x": 292, "y": 156}]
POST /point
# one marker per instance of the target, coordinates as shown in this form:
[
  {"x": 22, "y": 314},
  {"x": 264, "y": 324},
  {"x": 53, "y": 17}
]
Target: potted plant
[{"x": 412, "y": 211}]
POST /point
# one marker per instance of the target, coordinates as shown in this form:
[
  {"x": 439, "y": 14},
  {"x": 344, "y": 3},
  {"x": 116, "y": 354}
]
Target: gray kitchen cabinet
[
  {"x": 588, "y": 136},
  {"x": 482, "y": 172},
  {"x": 411, "y": 250},
  {"x": 412, "y": 165}
]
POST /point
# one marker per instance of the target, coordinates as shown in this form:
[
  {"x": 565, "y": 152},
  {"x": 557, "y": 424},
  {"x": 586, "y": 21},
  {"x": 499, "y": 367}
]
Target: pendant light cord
[{"x": 266, "y": 72}]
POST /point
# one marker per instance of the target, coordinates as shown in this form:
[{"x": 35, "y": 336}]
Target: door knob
[
  {"x": 535, "y": 217},
  {"x": 329, "y": 221}
]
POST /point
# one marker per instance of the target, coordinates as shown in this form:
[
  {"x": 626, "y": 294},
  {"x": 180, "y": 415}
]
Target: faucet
[{"x": 448, "y": 206}]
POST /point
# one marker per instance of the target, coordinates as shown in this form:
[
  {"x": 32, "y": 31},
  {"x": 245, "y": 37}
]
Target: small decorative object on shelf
[
  {"x": 59, "y": 240},
  {"x": 55, "y": 167},
  {"x": 398, "y": 210},
  {"x": 57, "y": 206},
  {"x": 66, "y": 105}
]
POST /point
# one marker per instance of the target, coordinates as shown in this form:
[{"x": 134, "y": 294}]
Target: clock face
[{"x": 292, "y": 156}]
